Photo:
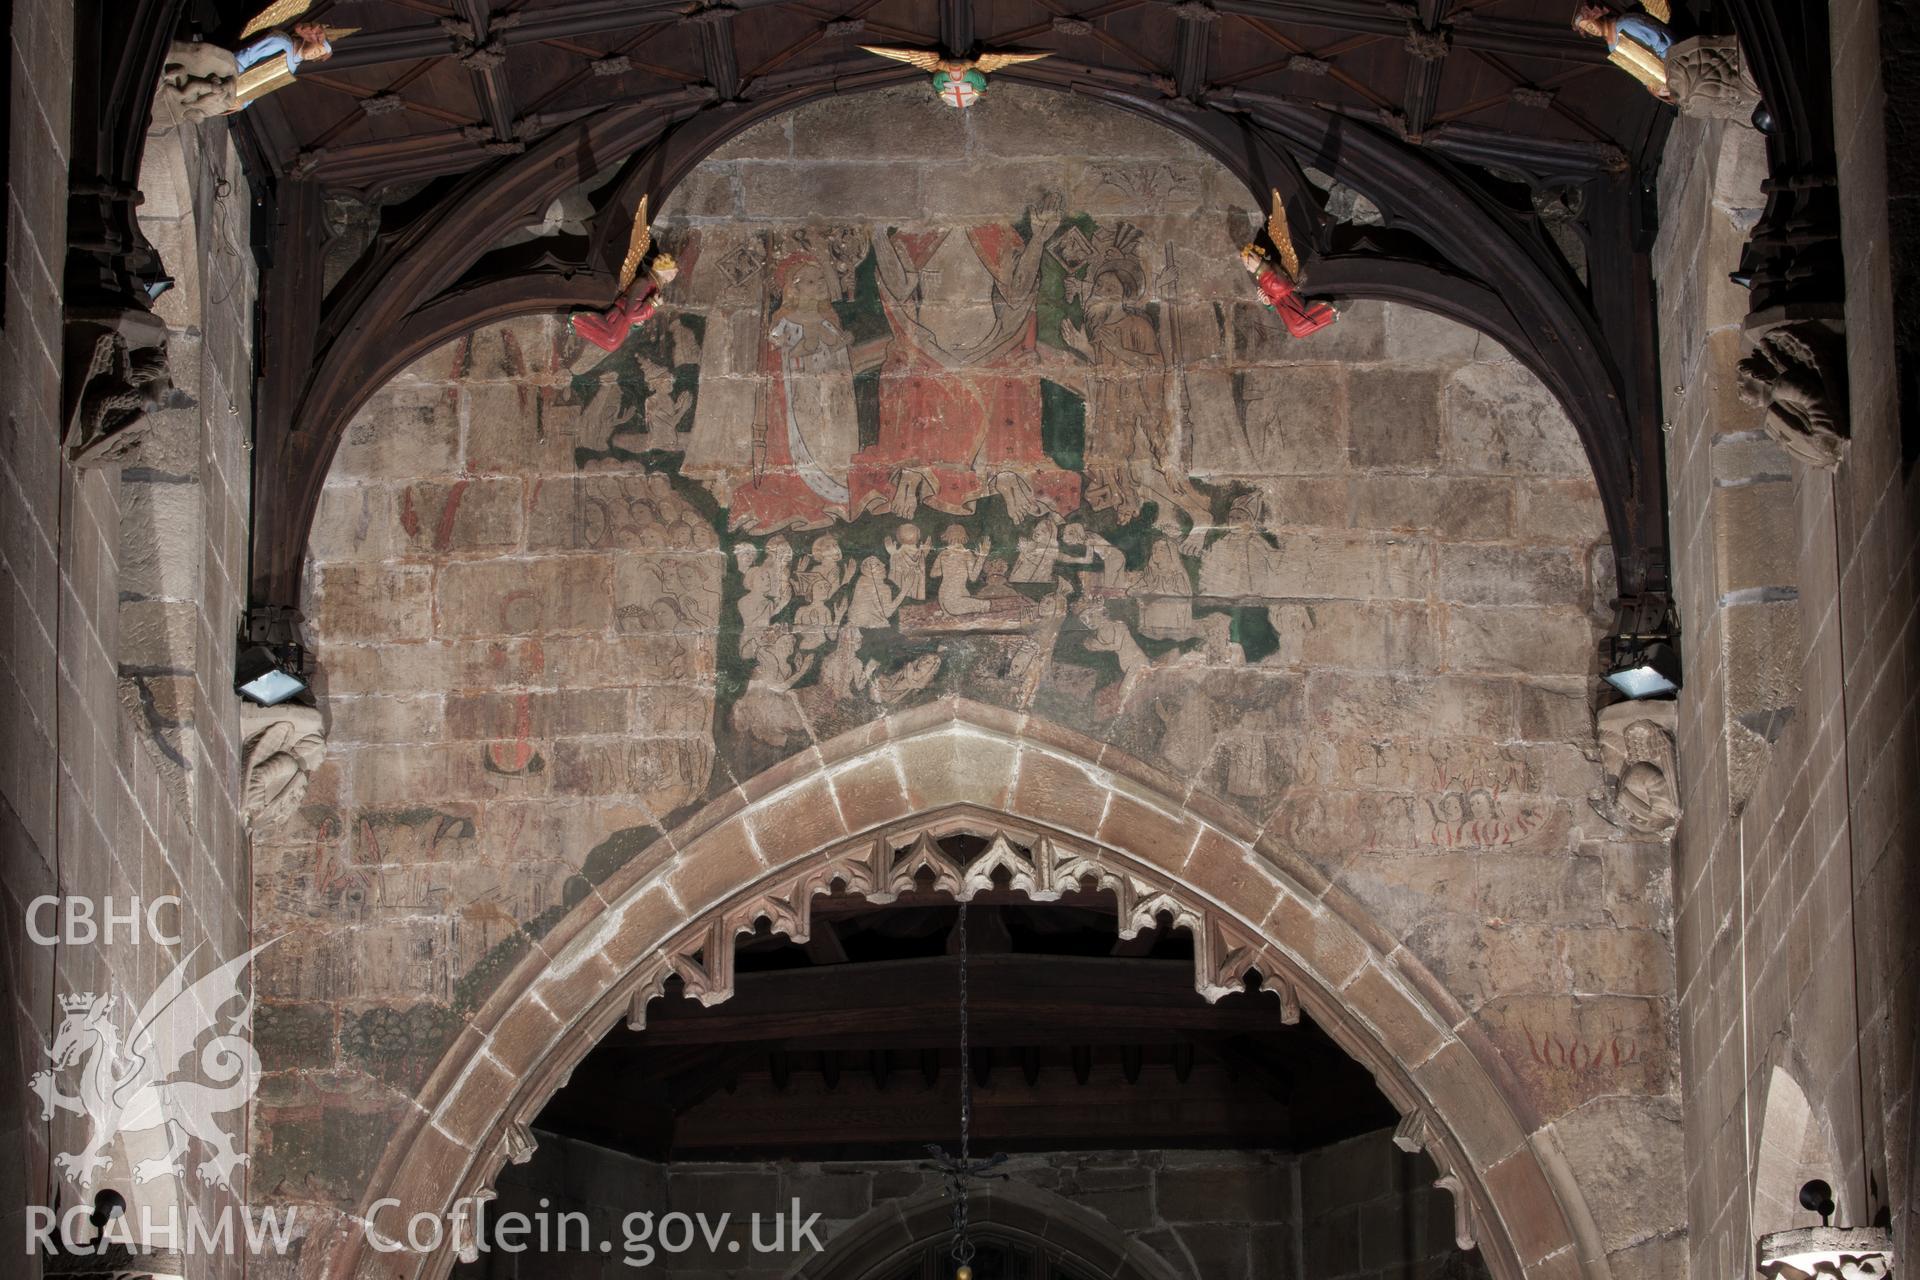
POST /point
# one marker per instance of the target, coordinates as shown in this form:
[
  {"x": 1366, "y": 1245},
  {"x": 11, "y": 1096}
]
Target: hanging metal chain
[
  {"x": 966, "y": 1050},
  {"x": 962, "y": 1244},
  {"x": 960, "y": 1172}
]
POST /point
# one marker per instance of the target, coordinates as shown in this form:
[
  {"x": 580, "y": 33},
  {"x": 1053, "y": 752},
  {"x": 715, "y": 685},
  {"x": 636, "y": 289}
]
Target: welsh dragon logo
[{"x": 131, "y": 1086}]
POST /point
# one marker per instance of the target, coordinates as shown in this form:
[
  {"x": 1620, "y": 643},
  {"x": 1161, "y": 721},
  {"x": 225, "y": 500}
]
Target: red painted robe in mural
[
  {"x": 964, "y": 423},
  {"x": 954, "y": 425},
  {"x": 804, "y": 445}
]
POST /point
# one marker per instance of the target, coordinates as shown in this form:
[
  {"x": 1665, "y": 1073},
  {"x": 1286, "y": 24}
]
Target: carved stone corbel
[
  {"x": 280, "y": 748},
  {"x": 118, "y": 376},
  {"x": 1637, "y": 751},
  {"x": 1797, "y": 373},
  {"x": 1464, "y": 1234},
  {"x": 1709, "y": 78},
  {"x": 197, "y": 83},
  {"x": 1411, "y": 1135}
]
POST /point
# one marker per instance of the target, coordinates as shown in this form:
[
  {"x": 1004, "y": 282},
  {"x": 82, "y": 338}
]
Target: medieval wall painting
[
  {"x": 944, "y": 458},
  {"x": 1015, "y": 429},
  {"x": 1053, "y": 461}
]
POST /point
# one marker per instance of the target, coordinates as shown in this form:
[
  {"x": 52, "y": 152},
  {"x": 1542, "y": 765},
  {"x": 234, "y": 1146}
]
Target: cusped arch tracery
[{"x": 1045, "y": 818}]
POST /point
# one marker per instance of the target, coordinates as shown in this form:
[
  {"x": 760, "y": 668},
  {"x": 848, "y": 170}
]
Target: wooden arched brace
[{"x": 1466, "y": 256}]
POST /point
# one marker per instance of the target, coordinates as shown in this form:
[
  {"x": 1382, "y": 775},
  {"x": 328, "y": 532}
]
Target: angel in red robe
[
  {"x": 1278, "y": 296},
  {"x": 1277, "y": 283},
  {"x": 608, "y": 329}
]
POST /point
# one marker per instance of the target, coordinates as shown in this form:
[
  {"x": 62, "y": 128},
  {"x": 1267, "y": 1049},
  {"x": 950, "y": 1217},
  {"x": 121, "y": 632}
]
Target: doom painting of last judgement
[{"x": 1045, "y": 445}]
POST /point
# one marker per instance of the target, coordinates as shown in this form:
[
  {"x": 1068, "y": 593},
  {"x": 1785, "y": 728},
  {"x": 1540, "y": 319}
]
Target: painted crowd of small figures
[{"x": 959, "y": 587}]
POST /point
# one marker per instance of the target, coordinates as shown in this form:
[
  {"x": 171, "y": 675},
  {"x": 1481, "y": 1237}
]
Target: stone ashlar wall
[
  {"x": 95, "y": 806},
  {"x": 1794, "y": 877},
  {"x": 1349, "y": 584}
]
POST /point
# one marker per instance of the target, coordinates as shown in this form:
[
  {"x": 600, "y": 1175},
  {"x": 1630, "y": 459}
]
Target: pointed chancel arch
[{"x": 851, "y": 815}]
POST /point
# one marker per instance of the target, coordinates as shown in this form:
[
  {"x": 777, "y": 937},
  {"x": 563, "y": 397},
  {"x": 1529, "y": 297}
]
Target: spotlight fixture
[
  {"x": 1643, "y": 660},
  {"x": 1817, "y": 1197},
  {"x": 107, "y": 1206},
  {"x": 272, "y": 665}
]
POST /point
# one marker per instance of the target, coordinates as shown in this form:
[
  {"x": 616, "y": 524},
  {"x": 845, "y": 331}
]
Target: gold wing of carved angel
[
  {"x": 925, "y": 59},
  {"x": 637, "y": 245},
  {"x": 1658, "y": 9},
  {"x": 278, "y": 14},
  {"x": 988, "y": 63},
  {"x": 1282, "y": 236}
]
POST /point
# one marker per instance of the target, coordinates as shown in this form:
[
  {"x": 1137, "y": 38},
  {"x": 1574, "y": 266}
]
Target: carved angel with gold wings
[
  {"x": 608, "y": 329},
  {"x": 1637, "y": 41},
  {"x": 1277, "y": 282},
  {"x": 958, "y": 82},
  {"x": 202, "y": 80}
]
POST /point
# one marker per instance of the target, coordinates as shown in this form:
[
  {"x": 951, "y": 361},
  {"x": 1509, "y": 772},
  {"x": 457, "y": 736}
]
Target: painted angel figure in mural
[
  {"x": 1277, "y": 282},
  {"x": 202, "y": 80},
  {"x": 958, "y": 82},
  {"x": 609, "y": 329}
]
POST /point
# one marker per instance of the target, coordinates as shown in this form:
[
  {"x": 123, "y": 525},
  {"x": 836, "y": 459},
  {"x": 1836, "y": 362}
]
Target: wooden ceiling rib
[{"x": 1414, "y": 103}]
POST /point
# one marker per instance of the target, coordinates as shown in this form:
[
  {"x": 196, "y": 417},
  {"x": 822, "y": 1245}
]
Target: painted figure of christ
[{"x": 959, "y": 389}]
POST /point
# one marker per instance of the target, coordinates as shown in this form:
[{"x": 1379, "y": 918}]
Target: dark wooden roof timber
[{"x": 1430, "y": 108}]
